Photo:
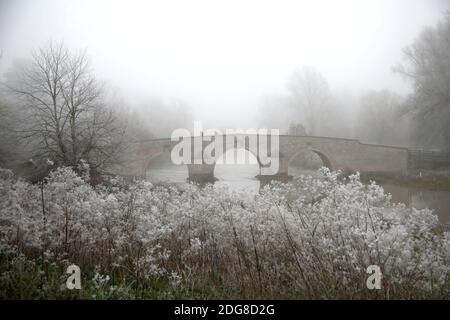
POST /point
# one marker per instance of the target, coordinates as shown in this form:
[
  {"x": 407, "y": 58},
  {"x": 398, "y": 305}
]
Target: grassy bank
[{"x": 435, "y": 182}]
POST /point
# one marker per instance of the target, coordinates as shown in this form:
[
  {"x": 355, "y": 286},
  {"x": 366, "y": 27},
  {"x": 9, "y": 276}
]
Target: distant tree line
[
  {"x": 420, "y": 120},
  {"x": 427, "y": 66},
  {"x": 310, "y": 107}
]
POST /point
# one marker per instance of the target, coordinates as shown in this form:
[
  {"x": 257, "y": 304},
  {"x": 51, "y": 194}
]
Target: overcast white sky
[{"x": 222, "y": 57}]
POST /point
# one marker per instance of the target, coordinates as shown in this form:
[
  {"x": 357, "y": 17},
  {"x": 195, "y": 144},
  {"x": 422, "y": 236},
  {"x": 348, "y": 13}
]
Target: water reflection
[{"x": 420, "y": 198}]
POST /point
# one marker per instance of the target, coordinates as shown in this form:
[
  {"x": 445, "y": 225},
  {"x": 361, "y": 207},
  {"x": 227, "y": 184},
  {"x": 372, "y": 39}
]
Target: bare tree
[
  {"x": 296, "y": 129},
  {"x": 65, "y": 115},
  {"x": 310, "y": 93},
  {"x": 379, "y": 117},
  {"x": 155, "y": 118},
  {"x": 427, "y": 66},
  {"x": 6, "y": 138}
]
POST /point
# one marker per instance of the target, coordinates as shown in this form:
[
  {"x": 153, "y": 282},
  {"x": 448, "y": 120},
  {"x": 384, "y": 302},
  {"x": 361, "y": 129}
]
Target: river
[{"x": 241, "y": 178}]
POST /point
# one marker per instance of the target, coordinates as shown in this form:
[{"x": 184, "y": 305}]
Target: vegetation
[
  {"x": 63, "y": 113},
  {"x": 312, "y": 238},
  {"x": 427, "y": 67},
  {"x": 435, "y": 180}
]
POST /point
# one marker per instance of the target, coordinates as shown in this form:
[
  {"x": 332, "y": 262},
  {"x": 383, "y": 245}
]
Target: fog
[
  {"x": 223, "y": 59},
  {"x": 101, "y": 195}
]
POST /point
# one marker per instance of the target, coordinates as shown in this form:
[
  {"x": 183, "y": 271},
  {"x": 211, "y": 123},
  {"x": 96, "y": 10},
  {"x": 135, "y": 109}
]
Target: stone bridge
[{"x": 347, "y": 155}]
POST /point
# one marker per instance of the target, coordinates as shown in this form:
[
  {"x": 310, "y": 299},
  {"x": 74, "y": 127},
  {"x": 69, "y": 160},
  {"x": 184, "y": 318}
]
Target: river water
[{"x": 241, "y": 178}]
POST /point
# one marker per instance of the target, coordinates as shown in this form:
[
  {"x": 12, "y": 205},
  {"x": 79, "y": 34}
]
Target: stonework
[{"x": 346, "y": 155}]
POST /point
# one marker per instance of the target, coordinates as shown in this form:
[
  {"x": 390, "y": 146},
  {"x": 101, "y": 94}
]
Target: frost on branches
[{"x": 312, "y": 238}]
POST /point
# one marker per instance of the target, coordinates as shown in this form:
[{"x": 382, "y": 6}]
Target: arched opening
[
  {"x": 237, "y": 169},
  {"x": 160, "y": 168},
  {"x": 307, "y": 161}
]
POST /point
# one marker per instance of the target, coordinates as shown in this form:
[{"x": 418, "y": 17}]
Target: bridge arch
[
  {"x": 247, "y": 146},
  {"x": 152, "y": 158},
  {"x": 326, "y": 161},
  {"x": 158, "y": 167},
  {"x": 244, "y": 157}
]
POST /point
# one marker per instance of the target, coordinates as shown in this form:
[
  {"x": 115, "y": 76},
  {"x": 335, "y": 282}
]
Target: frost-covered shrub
[{"x": 312, "y": 238}]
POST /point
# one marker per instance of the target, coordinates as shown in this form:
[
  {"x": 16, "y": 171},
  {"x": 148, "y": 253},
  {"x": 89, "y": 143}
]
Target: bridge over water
[{"x": 347, "y": 155}]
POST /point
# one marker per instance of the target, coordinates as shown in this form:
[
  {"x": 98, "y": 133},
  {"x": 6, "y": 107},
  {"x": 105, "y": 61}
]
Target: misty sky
[{"x": 223, "y": 57}]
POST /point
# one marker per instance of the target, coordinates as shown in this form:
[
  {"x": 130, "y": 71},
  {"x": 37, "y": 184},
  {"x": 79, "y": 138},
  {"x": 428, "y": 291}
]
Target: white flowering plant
[{"x": 312, "y": 238}]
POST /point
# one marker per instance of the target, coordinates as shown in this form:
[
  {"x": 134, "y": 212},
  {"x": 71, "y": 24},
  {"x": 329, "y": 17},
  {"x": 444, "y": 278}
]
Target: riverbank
[{"x": 429, "y": 180}]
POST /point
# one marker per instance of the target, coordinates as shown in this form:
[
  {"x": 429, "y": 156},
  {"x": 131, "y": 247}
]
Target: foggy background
[{"x": 231, "y": 63}]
